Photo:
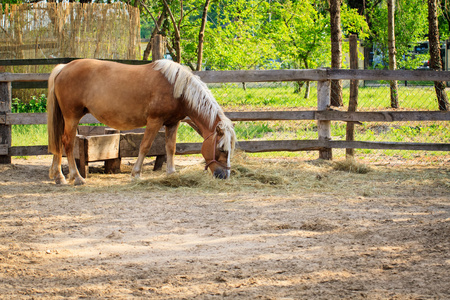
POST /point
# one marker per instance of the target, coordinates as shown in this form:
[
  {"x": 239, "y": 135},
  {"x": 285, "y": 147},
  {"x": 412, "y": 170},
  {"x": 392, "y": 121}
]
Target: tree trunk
[
  {"x": 298, "y": 85},
  {"x": 201, "y": 36},
  {"x": 176, "y": 28},
  {"x": 435, "y": 54},
  {"x": 308, "y": 89},
  {"x": 155, "y": 31},
  {"x": 336, "y": 51},
  {"x": 158, "y": 47},
  {"x": 392, "y": 52}
]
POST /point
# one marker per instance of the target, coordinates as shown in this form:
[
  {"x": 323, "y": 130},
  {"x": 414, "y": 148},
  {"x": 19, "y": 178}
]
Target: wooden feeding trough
[{"x": 98, "y": 143}]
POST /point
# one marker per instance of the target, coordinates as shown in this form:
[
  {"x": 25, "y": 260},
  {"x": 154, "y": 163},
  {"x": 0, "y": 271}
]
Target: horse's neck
[{"x": 204, "y": 125}]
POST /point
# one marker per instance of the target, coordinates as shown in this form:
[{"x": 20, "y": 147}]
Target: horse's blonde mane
[{"x": 198, "y": 97}]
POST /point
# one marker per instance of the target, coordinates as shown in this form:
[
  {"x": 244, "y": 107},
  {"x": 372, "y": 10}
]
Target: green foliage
[
  {"x": 300, "y": 34},
  {"x": 238, "y": 40},
  {"x": 411, "y": 27},
  {"x": 35, "y": 105}
]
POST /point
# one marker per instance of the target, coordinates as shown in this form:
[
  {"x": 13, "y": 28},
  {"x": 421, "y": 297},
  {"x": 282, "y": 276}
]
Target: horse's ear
[{"x": 219, "y": 130}]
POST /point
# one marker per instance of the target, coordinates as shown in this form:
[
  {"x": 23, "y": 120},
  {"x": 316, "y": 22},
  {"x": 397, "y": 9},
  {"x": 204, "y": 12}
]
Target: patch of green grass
[
  {"x": 233, "y": 96},
  {"x": 29, "y": 135}
]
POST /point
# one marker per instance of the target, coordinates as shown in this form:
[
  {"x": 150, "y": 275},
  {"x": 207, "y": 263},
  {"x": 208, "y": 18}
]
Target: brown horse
[{"x": 127, "y": 97}]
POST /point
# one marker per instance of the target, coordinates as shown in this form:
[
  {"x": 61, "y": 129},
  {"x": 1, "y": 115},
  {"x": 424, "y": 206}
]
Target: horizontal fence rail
[
  {"x": 281, "y": 75},
  {"x": 329, "y": 115},
  {"x": 323, "y": 115}
]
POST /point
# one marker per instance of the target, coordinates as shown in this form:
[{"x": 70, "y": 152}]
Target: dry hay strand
[
  {"x": 352, "y": 166},
  {"x": 243, "y": 174}
]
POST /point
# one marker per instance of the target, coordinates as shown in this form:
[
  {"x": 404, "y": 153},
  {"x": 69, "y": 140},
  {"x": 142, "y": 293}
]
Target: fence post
[
  {"x": 353, "y": 101},
  {"x": 158, "y": 51},
  {"x": 324, "y": 127},
  {"x": 5, "y": 129}
]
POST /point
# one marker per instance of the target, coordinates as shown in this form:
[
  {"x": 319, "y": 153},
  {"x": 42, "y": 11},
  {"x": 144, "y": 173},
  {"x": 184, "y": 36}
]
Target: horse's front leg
[
  {"x": 171, "y": 137},
  {"x": 149, "y": 136},
  {"x": 68, "y": 139}
]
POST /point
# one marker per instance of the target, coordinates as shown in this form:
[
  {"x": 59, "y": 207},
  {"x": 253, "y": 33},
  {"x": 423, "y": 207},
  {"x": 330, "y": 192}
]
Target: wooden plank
[
  {"x": 401, "y": 75},
  {"x": 102, "y": 147},
  {"x": 264, "y": 146},
  {"x": 283, "y": 75},
  {"x": 65, "y": 60},
  {"x": 390, "y": 145},
  {"x": 383, "y": 116},
  {"x": 10, "y": 77},
  {"x": 29, "y": 150},
  {"x": 188, "y": 148},
  {"x": 130, "y": 142},
  {"x": 30, "y": 85},
  {"x": 25, "y": 118},
  {"x": 328, "y": 115},
  {"x": 283, "y": 145},
  {"x": 259, "y": 146},
  {"x": 261, "y": 75},
  {"x": 91, "y": 130},
  {"x": 271, "y": 75},
  {"x": 318, "y": 75},
  {"x": 310, "y": 145}
]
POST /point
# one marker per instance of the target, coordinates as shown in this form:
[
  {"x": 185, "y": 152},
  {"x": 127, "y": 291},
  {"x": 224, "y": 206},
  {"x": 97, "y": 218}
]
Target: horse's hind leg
[
  {"x": 149, "y": 136},
  {"x": 171, "y": 136},
  {"x": 55, "y": 170},
  {"x": 70, "y": 131}
]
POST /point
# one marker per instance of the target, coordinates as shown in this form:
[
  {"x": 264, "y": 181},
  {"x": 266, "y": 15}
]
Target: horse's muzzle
[{"x": 220, "y": 173}]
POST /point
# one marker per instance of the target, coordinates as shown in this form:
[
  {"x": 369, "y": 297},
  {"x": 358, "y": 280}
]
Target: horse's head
[{"x": 217, "y": 149}]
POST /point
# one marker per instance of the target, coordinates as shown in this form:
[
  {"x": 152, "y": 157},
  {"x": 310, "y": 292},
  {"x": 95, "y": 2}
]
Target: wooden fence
[{"x": 323, "y": 115}]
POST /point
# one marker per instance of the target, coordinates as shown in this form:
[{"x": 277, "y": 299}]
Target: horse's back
[{"x": 121, "y": 96}]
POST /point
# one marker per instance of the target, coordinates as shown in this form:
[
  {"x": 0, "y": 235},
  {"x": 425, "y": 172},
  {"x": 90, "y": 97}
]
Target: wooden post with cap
[
  {"x": 158, "y": 51},
  {"x": 353, "y": 101},
  {"x": 324, "y": 127},
  {"x": 5, "y": 128}
]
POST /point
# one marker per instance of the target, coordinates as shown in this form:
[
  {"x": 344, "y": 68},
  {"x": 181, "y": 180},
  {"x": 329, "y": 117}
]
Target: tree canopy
[{"x": 248, "y": 34}]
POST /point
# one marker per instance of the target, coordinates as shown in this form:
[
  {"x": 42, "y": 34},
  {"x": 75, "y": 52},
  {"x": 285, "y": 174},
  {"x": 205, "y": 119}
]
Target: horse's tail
[{"x": 55, "y": 120}]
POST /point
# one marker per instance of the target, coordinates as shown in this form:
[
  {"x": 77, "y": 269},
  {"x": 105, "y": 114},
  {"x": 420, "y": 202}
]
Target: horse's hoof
[
  {"x": 60, "y": 180},
  {"x": 136, "y": 178},
  {"x": 170, "y": 172},
  {"x": 79, "y": 181}
]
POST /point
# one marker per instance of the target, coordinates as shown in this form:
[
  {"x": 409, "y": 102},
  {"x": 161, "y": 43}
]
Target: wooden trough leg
[
  {"x": 160, "y": 159},
  {"x": 82, "y": 162},
  {"x": 112, "y": 166}
]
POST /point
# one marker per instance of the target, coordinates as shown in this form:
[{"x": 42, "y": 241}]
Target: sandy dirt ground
[{"x": 307, "y": 232}]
